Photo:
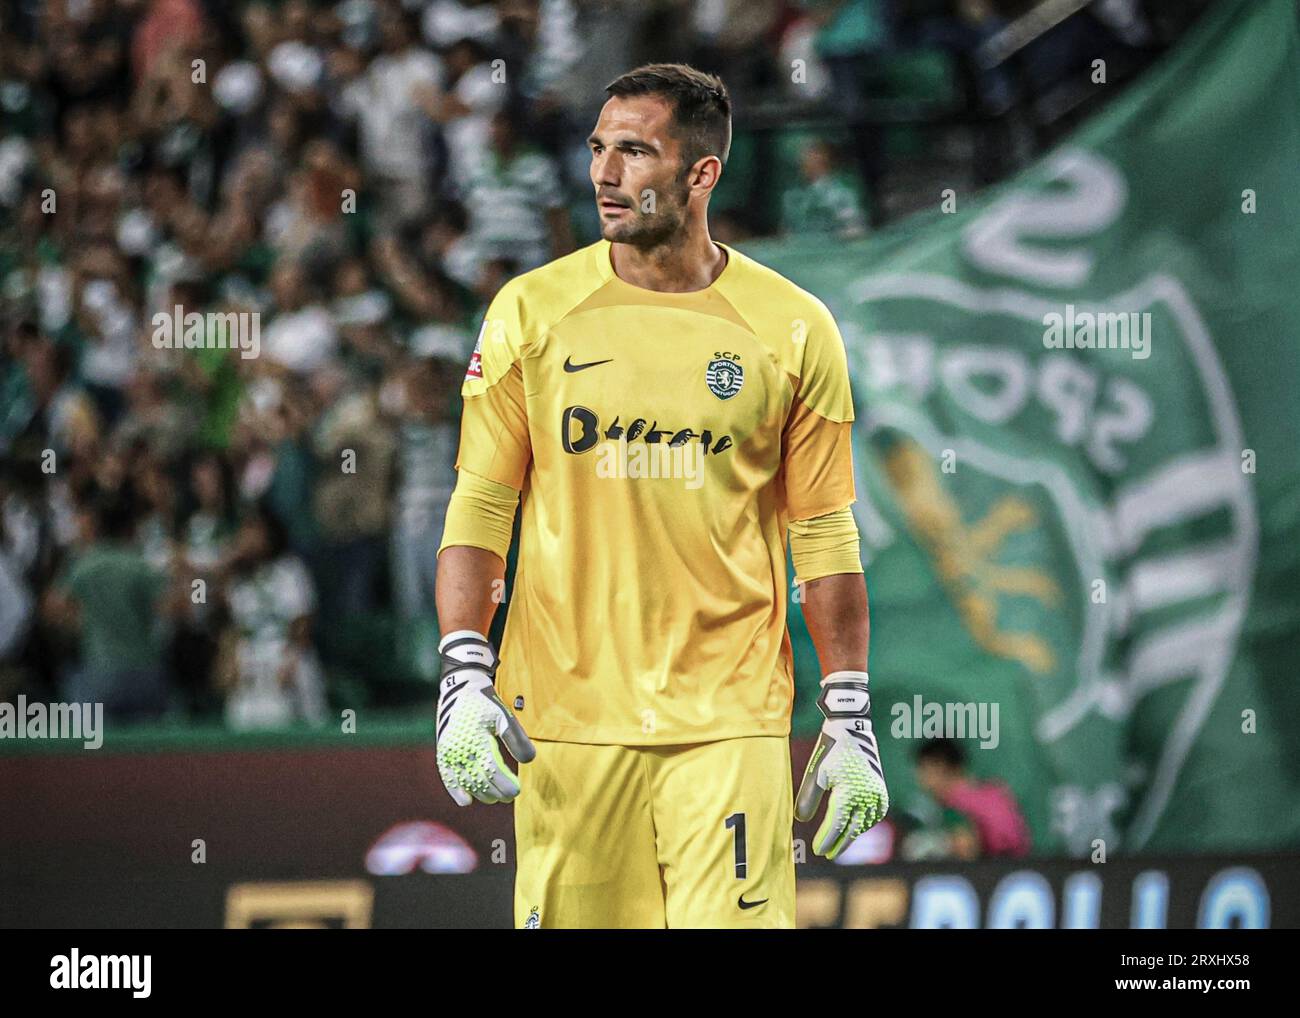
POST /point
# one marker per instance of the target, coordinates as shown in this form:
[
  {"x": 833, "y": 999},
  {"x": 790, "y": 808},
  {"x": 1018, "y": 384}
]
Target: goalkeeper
[{"x": 668, "y": 414}]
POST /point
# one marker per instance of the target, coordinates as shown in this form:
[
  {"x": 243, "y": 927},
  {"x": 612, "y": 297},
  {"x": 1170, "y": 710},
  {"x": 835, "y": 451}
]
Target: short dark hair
[
  {"x": 700, "y": 103},
  {"x": 944, "y": 751}
]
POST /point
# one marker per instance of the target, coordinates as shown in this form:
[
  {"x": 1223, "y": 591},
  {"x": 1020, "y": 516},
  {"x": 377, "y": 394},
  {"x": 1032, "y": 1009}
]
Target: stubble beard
[{"x": 651, "y": 229}]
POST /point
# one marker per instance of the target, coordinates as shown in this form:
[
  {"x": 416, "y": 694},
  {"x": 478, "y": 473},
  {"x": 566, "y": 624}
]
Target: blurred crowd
[{"x": 187, "y": 530}]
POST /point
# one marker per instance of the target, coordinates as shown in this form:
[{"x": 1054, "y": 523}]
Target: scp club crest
[{"x": 724, "y": 375}]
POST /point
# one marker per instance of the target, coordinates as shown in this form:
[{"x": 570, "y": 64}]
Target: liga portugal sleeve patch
[{"x": 475, "y": 369}]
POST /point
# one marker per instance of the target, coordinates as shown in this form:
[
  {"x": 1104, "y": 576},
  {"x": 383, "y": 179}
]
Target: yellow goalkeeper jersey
[{"x": 661, "y": 443}]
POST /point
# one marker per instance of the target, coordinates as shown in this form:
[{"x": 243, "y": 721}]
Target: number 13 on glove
[{"x": 845, "y": 761}]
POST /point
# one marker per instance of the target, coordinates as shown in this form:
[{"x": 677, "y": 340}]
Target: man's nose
[{"x": 606, "y": 169}]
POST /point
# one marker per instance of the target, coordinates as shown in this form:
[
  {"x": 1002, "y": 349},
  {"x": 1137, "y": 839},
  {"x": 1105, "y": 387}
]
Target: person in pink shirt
[
  {"x": 996, "y": 825},
  {"x": 168, "y": 25}
]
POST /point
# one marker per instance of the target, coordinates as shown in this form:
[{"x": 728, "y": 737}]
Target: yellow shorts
[{"x": 656, "y": 836}]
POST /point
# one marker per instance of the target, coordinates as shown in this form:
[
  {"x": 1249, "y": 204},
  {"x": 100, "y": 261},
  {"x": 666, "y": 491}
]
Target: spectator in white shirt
[
  {"x": 301, "y": 336},
  {"x": 515, "y": 202},
  {"x": 395, "y": 133},
  {"x": 274, "y": 677},
  {"x": 475, "y": 90}
]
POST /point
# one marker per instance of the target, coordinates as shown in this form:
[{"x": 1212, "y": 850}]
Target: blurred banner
[
  {"x": 1079, "y": 458},
  {"x": 1158, "y": 893},
  {"x": 1048, "y": 894},
  {"x": 322, "y": 835}
]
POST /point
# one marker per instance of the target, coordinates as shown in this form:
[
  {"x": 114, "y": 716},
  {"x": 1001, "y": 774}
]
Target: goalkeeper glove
[
  {"x": 845, "y": 760},
  {"x": 470, "y": 717}
]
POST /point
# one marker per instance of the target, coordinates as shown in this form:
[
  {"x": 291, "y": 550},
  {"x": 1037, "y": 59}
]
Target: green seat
[
  {"x": 737, "y": 183},
  {"x": 922, "y": 75}
]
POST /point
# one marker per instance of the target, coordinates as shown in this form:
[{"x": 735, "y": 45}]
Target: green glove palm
[
  {"x": 471, "y": 717},
  {"x": 845, "y": 761}
]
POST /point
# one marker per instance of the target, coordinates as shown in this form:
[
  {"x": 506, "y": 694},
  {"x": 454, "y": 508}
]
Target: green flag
[{"x": 1078, "y": 459}]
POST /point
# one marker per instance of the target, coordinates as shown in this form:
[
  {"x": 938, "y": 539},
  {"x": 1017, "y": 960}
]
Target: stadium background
[{"x": 942, "y": 174}]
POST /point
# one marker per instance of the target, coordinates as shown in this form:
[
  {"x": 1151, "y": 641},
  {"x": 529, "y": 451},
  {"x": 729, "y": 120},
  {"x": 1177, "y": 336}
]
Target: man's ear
[{"x": 704, "y": 175}]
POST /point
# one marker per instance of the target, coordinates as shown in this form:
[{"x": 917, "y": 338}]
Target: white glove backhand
[
  {"x": 846, "y": 760},
  {"x": 470, "y": 718}
]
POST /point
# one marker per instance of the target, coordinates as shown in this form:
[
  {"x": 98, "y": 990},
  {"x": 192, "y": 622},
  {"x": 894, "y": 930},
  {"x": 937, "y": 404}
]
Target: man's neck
[{"x": 687, "y": 264}]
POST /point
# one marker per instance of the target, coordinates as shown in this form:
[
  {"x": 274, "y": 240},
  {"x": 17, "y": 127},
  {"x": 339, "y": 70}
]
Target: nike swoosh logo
[
  {"x": 570, "y": 367},
  {"x": 750, "y": 904}
]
